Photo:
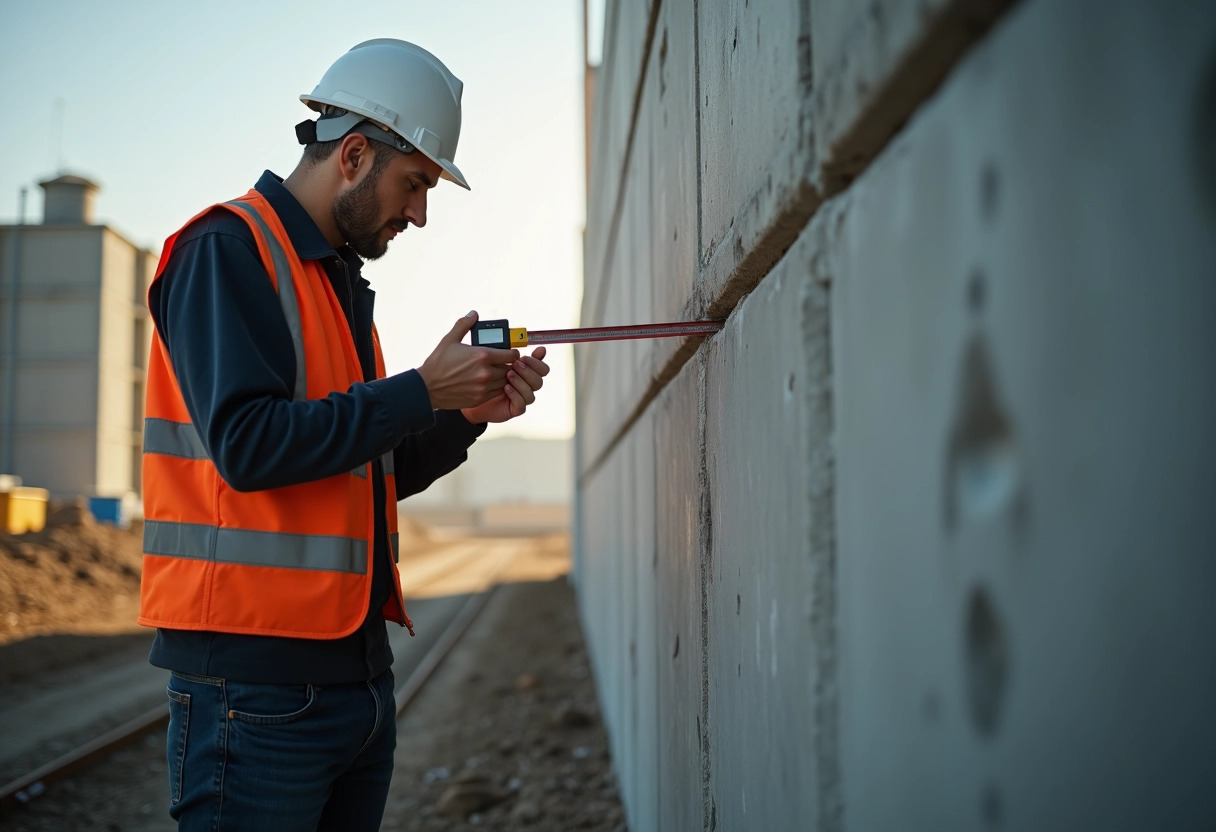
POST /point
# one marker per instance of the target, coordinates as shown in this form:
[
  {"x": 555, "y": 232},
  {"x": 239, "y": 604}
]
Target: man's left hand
[{"x": 524, "y": 378}]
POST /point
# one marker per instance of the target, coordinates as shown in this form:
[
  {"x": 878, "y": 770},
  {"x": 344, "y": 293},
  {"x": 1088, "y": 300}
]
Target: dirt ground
[
  {"x": 75, "y": 576},
  {"x": 505, "y": 736}
]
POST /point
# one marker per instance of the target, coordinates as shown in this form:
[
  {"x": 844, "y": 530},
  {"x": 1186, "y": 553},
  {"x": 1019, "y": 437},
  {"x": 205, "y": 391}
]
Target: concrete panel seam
[
  {"x": 780, "y": 236},
  {"x": 683, "y": 353},
  {"x": 816, "y": 323},
  {"x": 922, "y": 70},
  {"x": 696, "y": 110},
  {"x": 705, "y": 521},
  {"x": 615, "y": 224},
  {"x": 753, "y": 265}
]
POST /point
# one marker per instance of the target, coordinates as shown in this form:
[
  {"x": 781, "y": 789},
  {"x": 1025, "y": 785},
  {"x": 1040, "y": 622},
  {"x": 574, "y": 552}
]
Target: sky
[{"x": 173, "y": 106}]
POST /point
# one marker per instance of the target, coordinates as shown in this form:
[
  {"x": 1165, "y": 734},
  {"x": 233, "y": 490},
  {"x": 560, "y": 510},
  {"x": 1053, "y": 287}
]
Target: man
[{"x": 276, "y": 449}]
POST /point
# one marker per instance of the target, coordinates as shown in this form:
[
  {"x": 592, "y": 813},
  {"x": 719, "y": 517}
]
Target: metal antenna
[{"x": 57, "y": 134}]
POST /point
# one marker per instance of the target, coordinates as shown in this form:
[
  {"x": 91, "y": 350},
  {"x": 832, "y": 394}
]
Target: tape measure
[{"x": 501, "y": 334}]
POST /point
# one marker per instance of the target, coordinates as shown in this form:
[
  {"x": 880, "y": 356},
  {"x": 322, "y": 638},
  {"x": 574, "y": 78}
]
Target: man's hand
[
  {"x": 524, "y": 378},
  {"x": 460, "y": 376}
]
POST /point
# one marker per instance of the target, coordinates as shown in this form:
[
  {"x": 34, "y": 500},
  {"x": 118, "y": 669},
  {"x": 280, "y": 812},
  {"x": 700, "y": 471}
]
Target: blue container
[{"x": 108, "y": 510}]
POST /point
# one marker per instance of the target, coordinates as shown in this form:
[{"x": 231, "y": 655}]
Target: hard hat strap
[
  {"x": 377, "y": 133},
  {"x": 338, "y": 123}
]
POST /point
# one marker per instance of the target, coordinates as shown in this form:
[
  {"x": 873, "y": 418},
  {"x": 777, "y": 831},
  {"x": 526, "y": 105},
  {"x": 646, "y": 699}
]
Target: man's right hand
[{"x": 458, "y": 375}]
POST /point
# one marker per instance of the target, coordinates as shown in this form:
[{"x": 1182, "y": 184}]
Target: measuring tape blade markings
[{"x": 499, "y": 333}]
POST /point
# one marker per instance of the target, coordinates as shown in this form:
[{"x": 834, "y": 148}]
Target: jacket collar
[{"x": 306, "y": 238}]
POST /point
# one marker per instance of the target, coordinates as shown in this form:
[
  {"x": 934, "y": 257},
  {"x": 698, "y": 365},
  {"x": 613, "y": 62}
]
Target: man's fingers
[
  {"x": 539, "y": 353},
  {"x": 537, "y": 365},
  {"x": 530, "y": 375},
  {"x": 518, "y": 384},
  {"x": 501, "y": 357},
  {"x": 517, "y": 402},
  {"x": 461, "y": 328}
]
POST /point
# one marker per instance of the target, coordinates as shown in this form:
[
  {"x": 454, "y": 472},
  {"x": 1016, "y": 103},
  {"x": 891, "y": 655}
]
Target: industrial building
[
  {"x": 74, "y": 349},
  {"x": 923, "y": 539}
]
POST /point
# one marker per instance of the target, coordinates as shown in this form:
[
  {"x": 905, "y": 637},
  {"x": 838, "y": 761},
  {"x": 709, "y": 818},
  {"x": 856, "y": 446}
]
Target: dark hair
[{"x": 317, "y": 152}]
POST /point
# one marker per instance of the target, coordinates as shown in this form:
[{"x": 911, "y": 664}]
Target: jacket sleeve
[
  {"x": 425, "y": 457},
  {"x": 219, "y": 317}
]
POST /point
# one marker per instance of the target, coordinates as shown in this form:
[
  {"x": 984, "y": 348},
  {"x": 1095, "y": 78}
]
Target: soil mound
[{"x": 76, "y": 575}]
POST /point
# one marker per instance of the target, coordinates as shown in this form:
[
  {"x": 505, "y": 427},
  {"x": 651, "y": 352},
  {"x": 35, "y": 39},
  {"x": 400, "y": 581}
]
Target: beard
[{"x": 357, "y": 215}]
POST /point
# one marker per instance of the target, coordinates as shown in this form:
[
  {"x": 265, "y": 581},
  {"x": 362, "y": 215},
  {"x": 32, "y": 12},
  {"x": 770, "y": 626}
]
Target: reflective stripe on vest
[
  {"x": 179, "y": 439},
  {"x": 287, "y": 295},
  {"x": 285, "y": 551}
]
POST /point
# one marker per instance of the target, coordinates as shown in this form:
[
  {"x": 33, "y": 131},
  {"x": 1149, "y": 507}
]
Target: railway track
[{"x": 477, "y": 563}]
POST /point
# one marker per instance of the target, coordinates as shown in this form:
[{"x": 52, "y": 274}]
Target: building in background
[
  {"x": 508, "y": 484},
  {"x": 74, "y": 339}
]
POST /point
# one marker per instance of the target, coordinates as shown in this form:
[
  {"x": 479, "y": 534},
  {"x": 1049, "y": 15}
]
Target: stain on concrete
[
  {"x": 982, "y": 469},
  {"x": 992, "y": 806},
  {"x": 977, "y": 292},
  {"x": 990, "y": 192},
  {"x": 1204, "y": 146},
  {"x": 986, "y": 662}
]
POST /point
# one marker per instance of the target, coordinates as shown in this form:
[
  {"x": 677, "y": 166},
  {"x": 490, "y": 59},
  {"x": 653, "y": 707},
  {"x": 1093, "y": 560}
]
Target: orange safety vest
[{"x": 294, "y": 561}]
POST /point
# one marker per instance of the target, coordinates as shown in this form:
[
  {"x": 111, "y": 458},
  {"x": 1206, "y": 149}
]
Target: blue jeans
[{"x": 279, "y": 757}]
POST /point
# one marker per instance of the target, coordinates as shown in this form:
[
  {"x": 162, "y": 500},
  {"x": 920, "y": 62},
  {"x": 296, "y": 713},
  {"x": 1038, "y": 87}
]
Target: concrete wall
[{"x": 923, "y": 539}]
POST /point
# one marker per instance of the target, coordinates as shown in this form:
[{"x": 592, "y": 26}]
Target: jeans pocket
[
  {"x": 179, "y": 726},
  {"x": 270, "y": 704}
]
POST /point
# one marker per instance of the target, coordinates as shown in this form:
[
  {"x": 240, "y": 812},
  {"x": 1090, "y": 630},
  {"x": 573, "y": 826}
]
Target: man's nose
[{"x": 416, "y": 212}]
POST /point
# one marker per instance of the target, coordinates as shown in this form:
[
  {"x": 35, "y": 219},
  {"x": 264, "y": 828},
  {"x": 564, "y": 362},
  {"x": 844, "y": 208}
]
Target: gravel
[{"x": 505, "y": 736}]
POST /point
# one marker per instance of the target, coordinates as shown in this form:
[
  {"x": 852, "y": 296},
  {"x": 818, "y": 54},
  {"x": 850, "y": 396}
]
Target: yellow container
[{"x": 23, "y": 509}]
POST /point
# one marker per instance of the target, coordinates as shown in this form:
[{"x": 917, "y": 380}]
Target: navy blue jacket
[{"x": 219, "y": 317}]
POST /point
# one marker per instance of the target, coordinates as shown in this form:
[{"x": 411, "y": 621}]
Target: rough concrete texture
[
  {"x": 768, "y": 424},
  {"x": 629, "y": 29},
  {"x": 874, "y": 63},
  {"x": 622, "y": 636},
  {"x": 682, "y": 542},
  {"x": 931, "y": 536},
  {"x": 757, "y": 146},
  {"x": 1023, "y": 334},
  {"x": 666, "y": 240}
]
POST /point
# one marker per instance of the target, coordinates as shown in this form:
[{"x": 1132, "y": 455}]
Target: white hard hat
[{"x": 400, "y": 87}]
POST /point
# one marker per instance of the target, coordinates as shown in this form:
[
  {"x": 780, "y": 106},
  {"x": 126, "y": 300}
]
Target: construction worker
[{"x": 277, "y": 447}]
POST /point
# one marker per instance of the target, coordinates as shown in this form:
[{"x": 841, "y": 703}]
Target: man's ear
[{"x": 354, "y": 154}]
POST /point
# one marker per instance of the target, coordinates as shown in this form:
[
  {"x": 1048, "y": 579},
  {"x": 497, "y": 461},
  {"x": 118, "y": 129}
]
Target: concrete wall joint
[
  {"x": 705, "y": 557},
  {"x": 816, "y": 315},
  {"x": 847, "y": 149},
  {"x": 597, "y": 310}
]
